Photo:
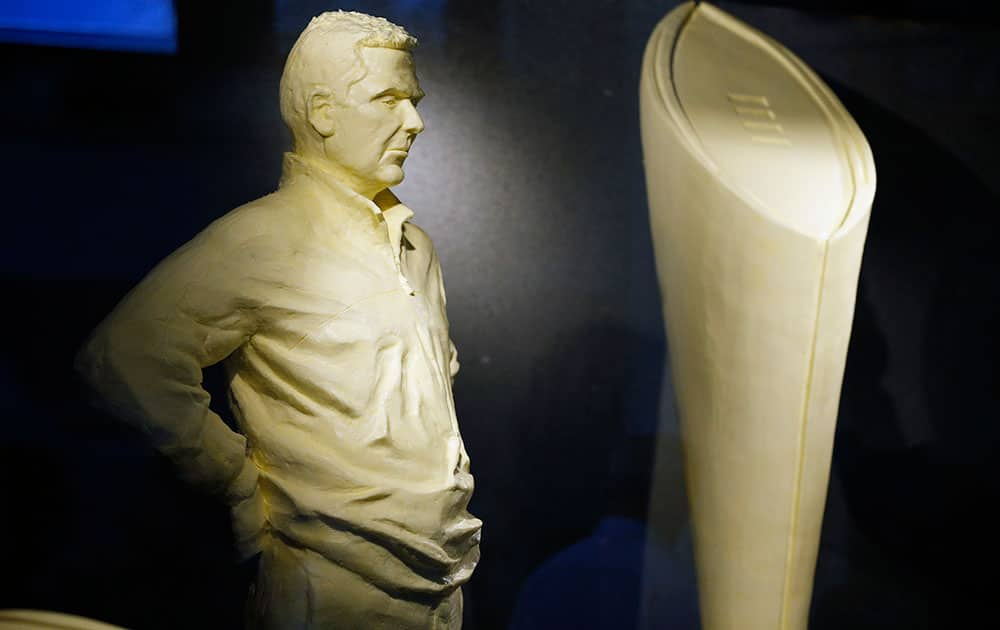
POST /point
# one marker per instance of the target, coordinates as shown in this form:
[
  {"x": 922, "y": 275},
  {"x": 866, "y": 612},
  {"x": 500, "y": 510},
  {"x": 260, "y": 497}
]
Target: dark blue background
[{"x": 529, "y": 179}]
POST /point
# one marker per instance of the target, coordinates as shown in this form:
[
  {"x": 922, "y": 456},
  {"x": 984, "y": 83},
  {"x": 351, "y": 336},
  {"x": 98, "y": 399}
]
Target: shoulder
[
  {"x": 249, "y": 242},
  {"x": 258, "y": 222},
  {"x": 269, "y": 228}
]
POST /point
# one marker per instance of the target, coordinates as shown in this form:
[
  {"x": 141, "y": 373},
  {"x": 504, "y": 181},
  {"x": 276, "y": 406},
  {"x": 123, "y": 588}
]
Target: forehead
[{"x": 388, "y": 68}]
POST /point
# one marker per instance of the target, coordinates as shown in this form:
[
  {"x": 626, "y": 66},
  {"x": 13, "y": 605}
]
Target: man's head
[{"x": 348, "y": 95}]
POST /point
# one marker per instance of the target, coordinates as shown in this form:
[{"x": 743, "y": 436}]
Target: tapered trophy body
[{"x": 760, "y": 186}]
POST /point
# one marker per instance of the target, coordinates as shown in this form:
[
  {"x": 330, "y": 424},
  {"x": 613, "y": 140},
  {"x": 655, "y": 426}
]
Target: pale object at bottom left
[{"x": 45, "y": 620}]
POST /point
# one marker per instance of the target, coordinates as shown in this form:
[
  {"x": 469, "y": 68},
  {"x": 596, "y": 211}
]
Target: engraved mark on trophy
[{"x": 758, "y": 118}]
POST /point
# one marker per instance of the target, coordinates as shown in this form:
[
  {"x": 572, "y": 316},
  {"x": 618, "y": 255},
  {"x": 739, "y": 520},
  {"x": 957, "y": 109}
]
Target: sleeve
[
  {"x": 438, "y": 279},
  {"x": 144, "y": 361}
]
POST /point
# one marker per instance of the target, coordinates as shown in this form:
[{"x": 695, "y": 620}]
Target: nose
[{"x": 412, "y": 122}]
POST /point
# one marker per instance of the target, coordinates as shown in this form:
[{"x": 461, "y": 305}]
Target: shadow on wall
[
  {"x": 917, "y": 437},
  {"x": 915, "y": 458},
  {"x": 97, "y": 525}
]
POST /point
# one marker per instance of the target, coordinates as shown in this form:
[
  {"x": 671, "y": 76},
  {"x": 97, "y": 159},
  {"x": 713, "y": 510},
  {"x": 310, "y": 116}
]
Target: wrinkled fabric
[
  {"x": 329, "y": 311},
  {"x": 299, "y": 589}
]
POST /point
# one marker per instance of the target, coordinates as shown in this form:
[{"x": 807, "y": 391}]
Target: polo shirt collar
[{"x": 386, "y": 209}]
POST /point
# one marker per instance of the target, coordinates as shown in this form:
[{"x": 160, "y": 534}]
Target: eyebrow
[{"x": 419, "y": 94}]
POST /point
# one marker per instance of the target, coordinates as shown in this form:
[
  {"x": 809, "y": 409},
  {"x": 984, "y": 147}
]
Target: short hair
[{"x": 337, "y": 33}]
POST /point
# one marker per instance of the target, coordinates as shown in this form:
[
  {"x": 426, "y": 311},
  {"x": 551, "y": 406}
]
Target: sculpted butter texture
[
  {"x": 326, "y": 304},
  {"x": 760, "y": 186},
  {"x": 45, "y": 620}
]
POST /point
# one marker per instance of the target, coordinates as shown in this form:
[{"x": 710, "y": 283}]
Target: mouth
[{"x": 405, "y": 145}]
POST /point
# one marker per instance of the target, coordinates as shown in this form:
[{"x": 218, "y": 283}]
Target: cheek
[
  {"x": 357, "y": 144},
  {"x": 365, "y": 135},
  {"x": 380, "y": 122}
]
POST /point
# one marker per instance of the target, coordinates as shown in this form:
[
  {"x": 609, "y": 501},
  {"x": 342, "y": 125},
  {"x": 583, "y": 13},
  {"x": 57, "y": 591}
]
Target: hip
[{"x": 300, "y": 589}]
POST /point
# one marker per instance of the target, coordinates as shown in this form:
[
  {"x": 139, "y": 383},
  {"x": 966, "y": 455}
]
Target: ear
[{"x": 320, "y": 111}]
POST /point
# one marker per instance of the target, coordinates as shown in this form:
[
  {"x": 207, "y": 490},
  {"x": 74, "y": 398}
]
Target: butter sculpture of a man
[{"x": 328, "y": 309}]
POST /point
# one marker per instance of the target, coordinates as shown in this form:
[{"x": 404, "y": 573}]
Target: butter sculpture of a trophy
[
  {"x": 327, "y": 306},
  {"x": 760, "y": 186}
]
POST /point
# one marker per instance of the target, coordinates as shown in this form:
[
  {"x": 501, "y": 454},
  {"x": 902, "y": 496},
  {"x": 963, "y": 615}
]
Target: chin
[{"x": 391, "y": 175}]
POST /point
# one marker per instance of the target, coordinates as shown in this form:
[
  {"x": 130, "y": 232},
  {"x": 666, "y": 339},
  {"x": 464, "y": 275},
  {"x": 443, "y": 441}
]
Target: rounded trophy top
[{"x": 774, "y": 132}]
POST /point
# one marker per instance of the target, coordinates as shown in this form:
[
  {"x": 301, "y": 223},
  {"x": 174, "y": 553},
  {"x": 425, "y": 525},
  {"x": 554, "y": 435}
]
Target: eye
[{"x": 389, "y": 101}]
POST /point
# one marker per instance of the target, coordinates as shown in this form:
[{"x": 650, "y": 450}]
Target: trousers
[{"x": 299, "y": 589}]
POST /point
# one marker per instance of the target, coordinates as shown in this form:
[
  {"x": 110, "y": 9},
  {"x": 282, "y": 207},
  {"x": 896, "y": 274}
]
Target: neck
[{"x": 365, "y": 189}]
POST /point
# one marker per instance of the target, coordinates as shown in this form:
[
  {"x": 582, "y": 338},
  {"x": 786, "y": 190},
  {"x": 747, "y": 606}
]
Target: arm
[
  {"x": 437, "y": 288},
  {"x": 145, "y": 360}
]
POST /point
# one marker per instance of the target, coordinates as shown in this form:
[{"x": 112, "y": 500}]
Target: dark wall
[{"x": 528, "y": 178}]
